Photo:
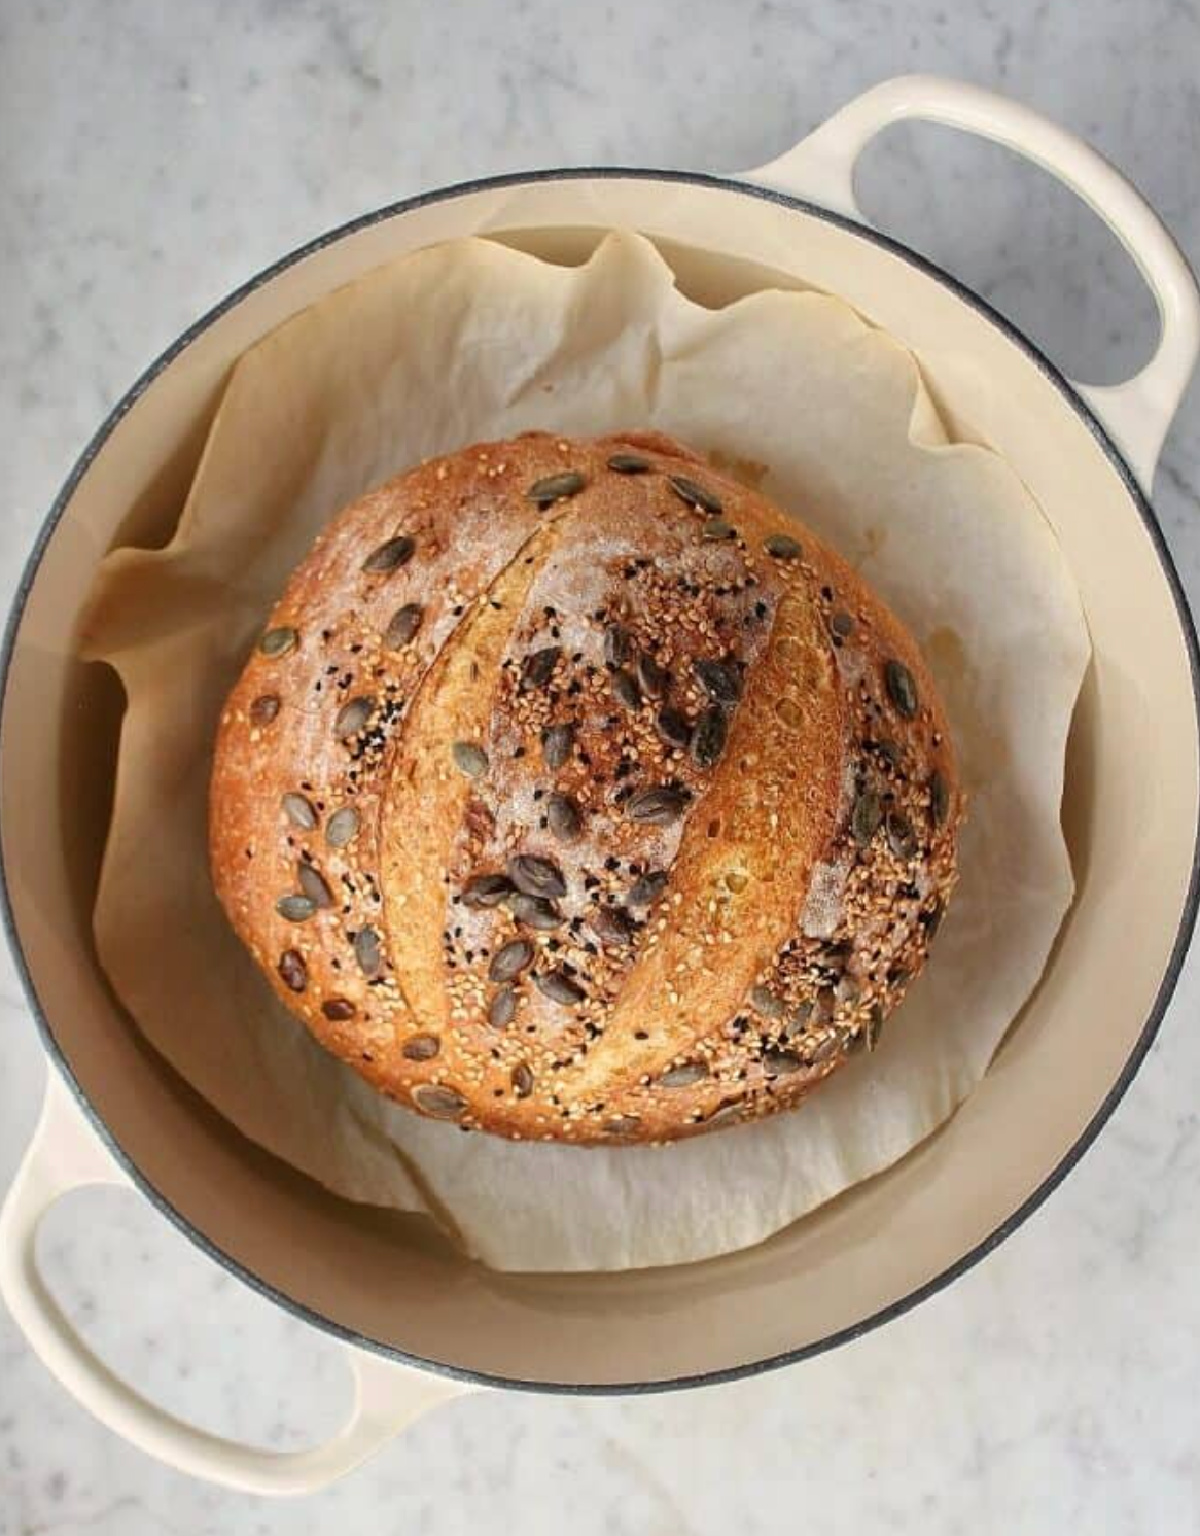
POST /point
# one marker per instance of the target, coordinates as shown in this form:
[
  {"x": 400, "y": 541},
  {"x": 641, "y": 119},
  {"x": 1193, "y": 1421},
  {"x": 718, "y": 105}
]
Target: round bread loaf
[{"x": 574, "y": 793}]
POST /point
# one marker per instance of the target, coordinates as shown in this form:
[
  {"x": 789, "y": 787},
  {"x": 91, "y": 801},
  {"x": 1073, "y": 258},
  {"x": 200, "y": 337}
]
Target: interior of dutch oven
[{"x": 389, "y": 1278}]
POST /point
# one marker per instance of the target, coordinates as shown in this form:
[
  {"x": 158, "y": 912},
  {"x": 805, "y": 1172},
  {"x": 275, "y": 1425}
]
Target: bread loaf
[{"x": 572, "y": 792}]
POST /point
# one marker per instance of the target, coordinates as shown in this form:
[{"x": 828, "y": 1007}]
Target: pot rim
[{"x": 1146, "y": 1036}]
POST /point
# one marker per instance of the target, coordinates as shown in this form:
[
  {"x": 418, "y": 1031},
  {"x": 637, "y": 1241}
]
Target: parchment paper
[{"x": 793, "y": 391}]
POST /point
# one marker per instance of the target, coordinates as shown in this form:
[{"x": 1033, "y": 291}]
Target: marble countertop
[{"x": 151, "y": 157}]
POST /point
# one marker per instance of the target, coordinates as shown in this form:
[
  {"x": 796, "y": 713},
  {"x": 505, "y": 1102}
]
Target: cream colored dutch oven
[{"x": 421, "y": 1325}]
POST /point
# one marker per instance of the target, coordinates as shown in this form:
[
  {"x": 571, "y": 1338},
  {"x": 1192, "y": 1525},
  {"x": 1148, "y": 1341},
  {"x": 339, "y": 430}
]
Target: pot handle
[
  {"x": 820, "y": 168},
  {"x": 66, "y": 1154}
]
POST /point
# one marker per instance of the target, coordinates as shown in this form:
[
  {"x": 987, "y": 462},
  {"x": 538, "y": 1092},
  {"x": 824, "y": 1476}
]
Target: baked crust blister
[{"x": 573, "y": 792}]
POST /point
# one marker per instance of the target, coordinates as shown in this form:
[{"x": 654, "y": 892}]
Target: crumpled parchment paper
[{"x": 791, "y": 390}]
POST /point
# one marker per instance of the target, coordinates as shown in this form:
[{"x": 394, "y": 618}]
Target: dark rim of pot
[{"x": 1187, "y": 918}]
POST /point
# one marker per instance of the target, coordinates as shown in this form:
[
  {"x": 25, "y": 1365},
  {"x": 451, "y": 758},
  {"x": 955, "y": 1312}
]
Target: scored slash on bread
[{"x": 585, "y": 797}]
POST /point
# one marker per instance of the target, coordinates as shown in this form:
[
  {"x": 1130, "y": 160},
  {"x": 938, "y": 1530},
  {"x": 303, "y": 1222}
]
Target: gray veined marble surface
[{"x": 152, "y": 156}]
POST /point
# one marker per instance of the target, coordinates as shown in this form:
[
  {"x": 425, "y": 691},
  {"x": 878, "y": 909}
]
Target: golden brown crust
[{"x": 613, "y": 815}]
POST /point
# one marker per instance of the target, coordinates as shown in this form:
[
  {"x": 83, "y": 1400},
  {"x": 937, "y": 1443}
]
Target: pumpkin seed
[
  {"x": 889, "y": 751},
  {"x": 299, "y": 812},
  {"x": 781, "y": 1063},
  {"x": 900, "y": 835},
  {"x": 618, "y": 645},
  {"x": 352, "y": 717},
  {"x": 799, "y": 1020},
  {"x": 559, "y": 988},
  {"x": 674, "y": 726},
  {"x": 653, "y": 678},
  {"x": 278, "y": 642},
  {"x": 730, "y": 1109},
  {"x": 628, "y": 464},
  {"x": 901, "y": 689},
  {"x": 939, "y": 797},
  {"x": 622, "y": 1125},
  {"x": 865, "y": 817},
  {"x": 486, "y": 890},
  {"x": 391, "y": 555},
  {"x": 765, "y": 1001},
  {"x": 342, "y": 827},
  {"x": 368, "y": 952},
  {"x": 503, "y": 1008},
  {"x": 611, "y": 926},
  {"x": 828, "y": 1048},
  {"x": 557, "y": 744},
  {"x": 402, "y": 626},
  {"x": 535, "y": 876},
  {"x": 313, "y": 885},
  {"x": 842, "y": 624},
  {"x": 339, "y": 1009},
  {"x": 536, "y": 913},
  {"x": 510, "y": 960},
  {"x": 686, "y": 1075},
  {"x": 712, "y": 732},
  {"x": 264, "y": 709},
  {"x": 421, "y": 1047},
  {"x": 296, "y": 909},
  {"x": 554, "y": 487},
  {"x": 538, "y": 668},
  {"x": 696, "y": 495},
  {"x": 646, "y": 890},
  {"x": 293, "y": 970},
  {"x": 783, "y": 547},
  {"x": 469, "y": 759},
  {"x": 875, "y": 1025},
  {"x": 625, "y": 689},
  {"x": 826, "y": 1002},
  {"x": 656, "y": 807},
  {"x": 440, "y": 1102},
  {"x": 716, "y": 528},
  {"x": 720, "y": 680},
  {"x": 563, "y": 815},
  {"x": 522, "y": 1081}
]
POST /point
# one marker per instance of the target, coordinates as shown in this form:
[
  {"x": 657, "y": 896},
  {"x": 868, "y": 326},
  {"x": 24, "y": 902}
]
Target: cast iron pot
[{"x": 420, "y": 1322}]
